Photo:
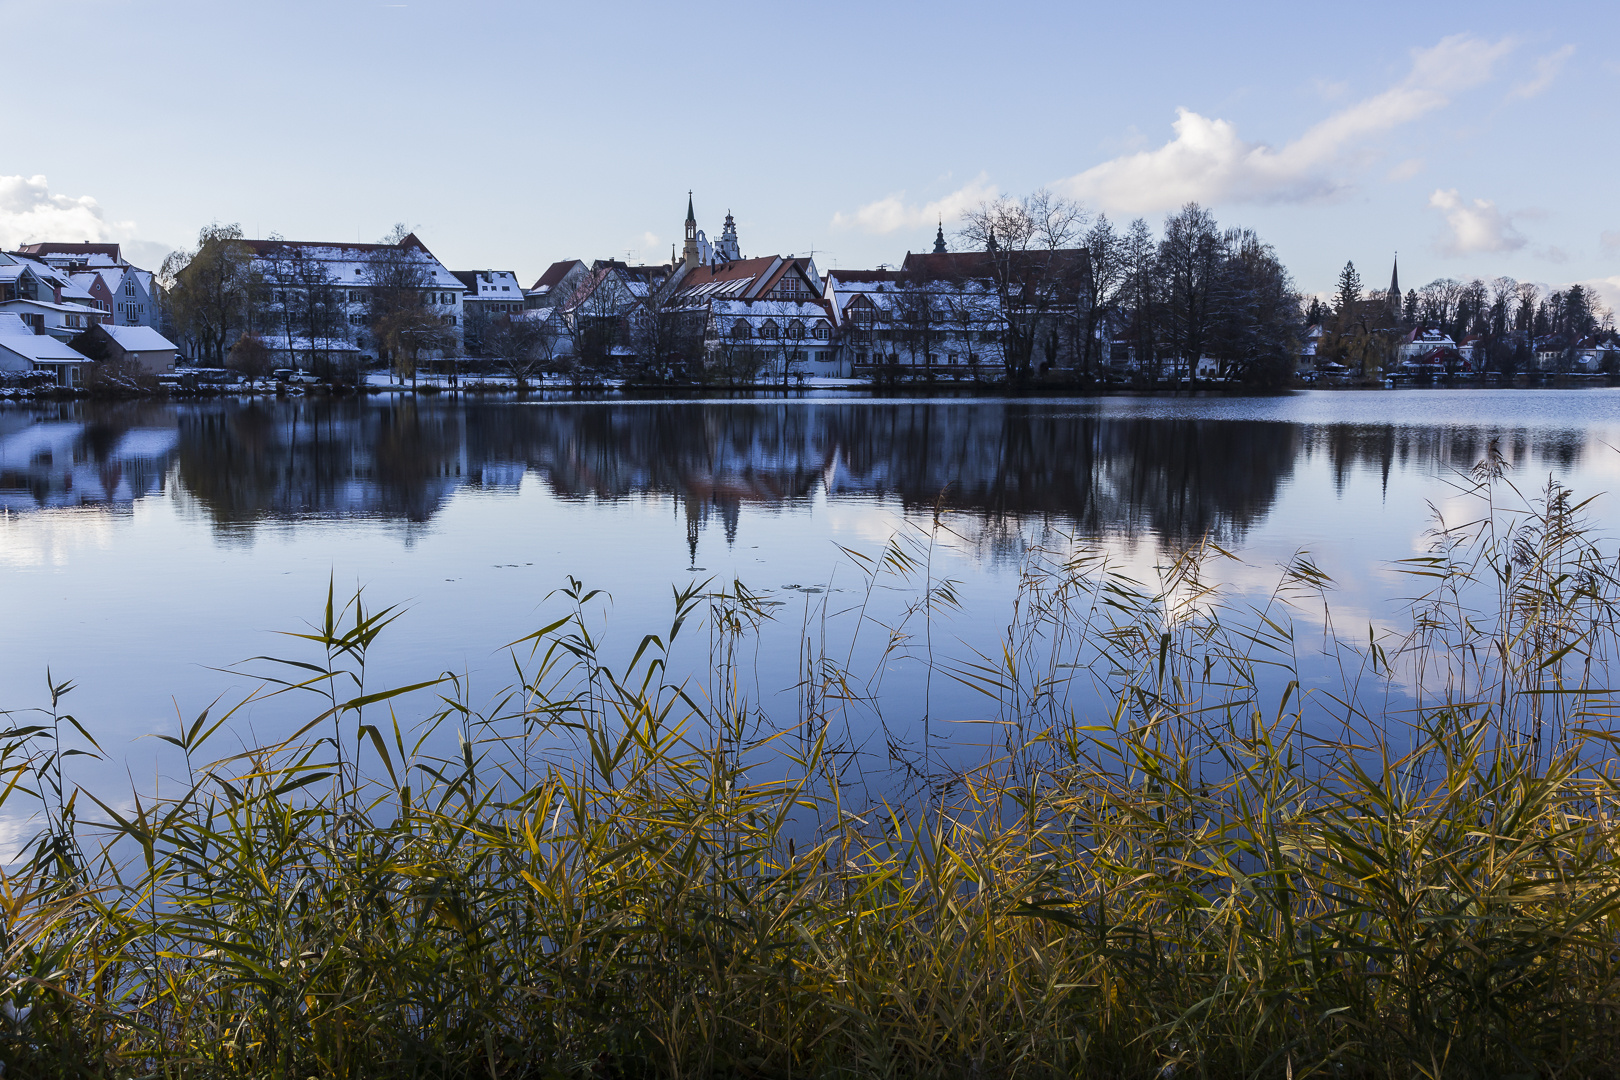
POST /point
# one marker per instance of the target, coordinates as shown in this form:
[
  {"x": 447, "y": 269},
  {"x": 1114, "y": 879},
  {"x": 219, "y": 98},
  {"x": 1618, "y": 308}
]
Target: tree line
[
  {"x": 1504, "y": 322},
  {"x": 1152, "y": 306}
]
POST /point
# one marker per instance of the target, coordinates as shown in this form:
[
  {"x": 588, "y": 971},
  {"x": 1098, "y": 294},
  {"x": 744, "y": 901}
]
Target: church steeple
[
  {"x": 1395, "y": 286},
  {"x": 939, "y": 238},
  {"x": 690, "y": 255},
  {"x": 728, "y": 248}
]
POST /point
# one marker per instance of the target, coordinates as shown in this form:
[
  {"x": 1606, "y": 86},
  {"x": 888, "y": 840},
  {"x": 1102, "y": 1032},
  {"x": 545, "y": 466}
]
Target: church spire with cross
[
  {"x": 939, "y": 238},
  {"x": 1395, "y": 286},
  {"x": 690, "y": 255}
]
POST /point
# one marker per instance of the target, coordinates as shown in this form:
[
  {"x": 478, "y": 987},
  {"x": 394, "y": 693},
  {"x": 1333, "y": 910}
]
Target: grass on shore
[{"x": 1214, "y": 872}]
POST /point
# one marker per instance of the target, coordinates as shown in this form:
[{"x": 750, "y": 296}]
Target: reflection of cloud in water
[{"x": 50, "y": 538}]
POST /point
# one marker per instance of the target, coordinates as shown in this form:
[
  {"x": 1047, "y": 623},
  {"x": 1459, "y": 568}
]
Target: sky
[{"x": 1475, "y": 139}]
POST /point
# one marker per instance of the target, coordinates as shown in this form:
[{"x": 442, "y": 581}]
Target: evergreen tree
[{"x": 1348, "y": 293}]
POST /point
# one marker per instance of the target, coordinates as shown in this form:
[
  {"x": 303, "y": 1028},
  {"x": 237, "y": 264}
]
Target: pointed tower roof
[
  {"x": 1395, "y": 277},
  {"x": 939, "y": 239},
  {"x": 690, "y": 216}
]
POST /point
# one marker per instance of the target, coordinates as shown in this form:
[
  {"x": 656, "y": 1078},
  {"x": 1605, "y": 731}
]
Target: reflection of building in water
[
  {"x": 82, "y": 455},
  {"x": 1004, "y": 464}
]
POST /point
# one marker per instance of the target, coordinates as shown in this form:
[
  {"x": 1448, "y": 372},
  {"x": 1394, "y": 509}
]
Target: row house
[
  {"x": 46, "y": 299},
  {"x": 22, "y": 349},
  {"x": 126, "y": 293},
  {"x": 1586, "y": 356},
  {"x": 781, "y": 337},
  {"x": 489, "y": 292},
  {"x": 557, "y": 283}
]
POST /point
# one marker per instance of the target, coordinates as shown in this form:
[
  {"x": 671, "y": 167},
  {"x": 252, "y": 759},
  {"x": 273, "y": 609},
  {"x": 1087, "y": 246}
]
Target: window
[
  {"x": 822, "y": 332},
  {"x": 129, "y": 288},
  {"x": 769, "y": 329},
  {"x": 795, "y": 330},
  {"x": 506, "y": 288},
  {"x": 741, "y": 330}
]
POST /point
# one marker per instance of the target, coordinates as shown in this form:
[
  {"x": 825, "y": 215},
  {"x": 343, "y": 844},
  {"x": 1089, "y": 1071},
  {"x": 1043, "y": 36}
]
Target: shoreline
[{"x": 831, "y": 388}]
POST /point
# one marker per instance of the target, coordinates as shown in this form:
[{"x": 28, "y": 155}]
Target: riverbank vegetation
[{"x": 1182, "y": 853}]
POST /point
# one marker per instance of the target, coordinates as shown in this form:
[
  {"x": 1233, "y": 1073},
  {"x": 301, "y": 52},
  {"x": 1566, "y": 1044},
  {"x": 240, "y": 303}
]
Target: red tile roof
[
  {"x": 70, "y": 249},
  {"x": 554, "y": 273}
]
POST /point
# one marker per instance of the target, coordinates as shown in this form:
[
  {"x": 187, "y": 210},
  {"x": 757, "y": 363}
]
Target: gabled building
[
  {"x": 556, "y": 284},
  {"x": 141, "y": 346},
  {"x": 321, "y": 292},
  {"x": 22, "y": 349},
  {"x": 126, "y": 292},
  {"x": 45, "y": 298},
  {"x": 781, "y": 337},
  {"x": 491, "y": 292}
]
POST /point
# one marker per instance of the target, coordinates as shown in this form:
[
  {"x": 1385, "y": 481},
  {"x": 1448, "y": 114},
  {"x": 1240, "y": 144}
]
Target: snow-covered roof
[
  {"x": 348, "y": 264},
  {"x": 11, "y": 325},
  {"x": 490, "y": 284},
  {"x": 757, "y": 311},
  {"x": 40, "y": 348},
  {"x": 301, "y": 343},
  {"x": 71, "y": 309},
  {"x": 138, "y": 338}
]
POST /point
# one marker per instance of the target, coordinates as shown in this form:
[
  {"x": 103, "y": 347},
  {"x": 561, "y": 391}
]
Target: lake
[{"x": 146, "y": 546}]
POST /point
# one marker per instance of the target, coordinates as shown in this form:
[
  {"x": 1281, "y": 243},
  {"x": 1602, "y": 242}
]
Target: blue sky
[{"x": 1476, "y": 139}]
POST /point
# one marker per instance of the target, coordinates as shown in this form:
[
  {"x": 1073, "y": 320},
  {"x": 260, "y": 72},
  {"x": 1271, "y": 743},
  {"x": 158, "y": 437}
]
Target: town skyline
[{"x": 1425, "y": 132}]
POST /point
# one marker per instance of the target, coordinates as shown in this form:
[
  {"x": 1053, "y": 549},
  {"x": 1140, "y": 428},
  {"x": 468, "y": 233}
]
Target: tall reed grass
[{"x": 1181, "y": 859}]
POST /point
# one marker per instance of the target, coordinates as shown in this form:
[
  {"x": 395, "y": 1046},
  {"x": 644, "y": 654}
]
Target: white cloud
[
  {"x": 1474, "y": 227},
  {"x": 1546, "y": 70},
  {"x": 1406, "y": 169},
  {"x": 29, "y": 213},
  {"x": 1607, "y": 290},
  {"x": 1208, "y": 161},
  {"x": 893, "y": 213}
]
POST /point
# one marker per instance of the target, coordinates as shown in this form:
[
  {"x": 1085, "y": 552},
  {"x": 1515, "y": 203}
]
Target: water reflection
[{"x": 1169, "y": 478}]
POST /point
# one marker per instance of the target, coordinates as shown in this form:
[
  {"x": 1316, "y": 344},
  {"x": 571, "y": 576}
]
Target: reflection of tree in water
[
  {"x": 1383, "y": 448},
  {"x": 1002, "y": 463},
  {"x": 253, "y": 460}
]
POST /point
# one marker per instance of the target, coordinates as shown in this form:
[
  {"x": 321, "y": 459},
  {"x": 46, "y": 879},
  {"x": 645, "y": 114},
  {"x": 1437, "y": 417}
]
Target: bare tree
[
  {"x": 208, "y": 292},
  {"x": 667, "y": 336},
  {"x": 1029, "y": 255},
  {"x": 1105, "y": 287},
  {"x": 404, "y": 321},
  {"x": 920, "y": 317},
  {"x": 1191, "y": 260},
  {"x": 524, "y": 344}
]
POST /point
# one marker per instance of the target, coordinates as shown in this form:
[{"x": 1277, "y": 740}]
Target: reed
[{"x": 1183, "y": 859}]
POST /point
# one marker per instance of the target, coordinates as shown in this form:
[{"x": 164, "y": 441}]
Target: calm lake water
[{"x": 146, "y": 546}]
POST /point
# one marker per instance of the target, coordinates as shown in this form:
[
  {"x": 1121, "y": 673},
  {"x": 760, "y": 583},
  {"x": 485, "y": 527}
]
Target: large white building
[{"x": 345, "y": 275}]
